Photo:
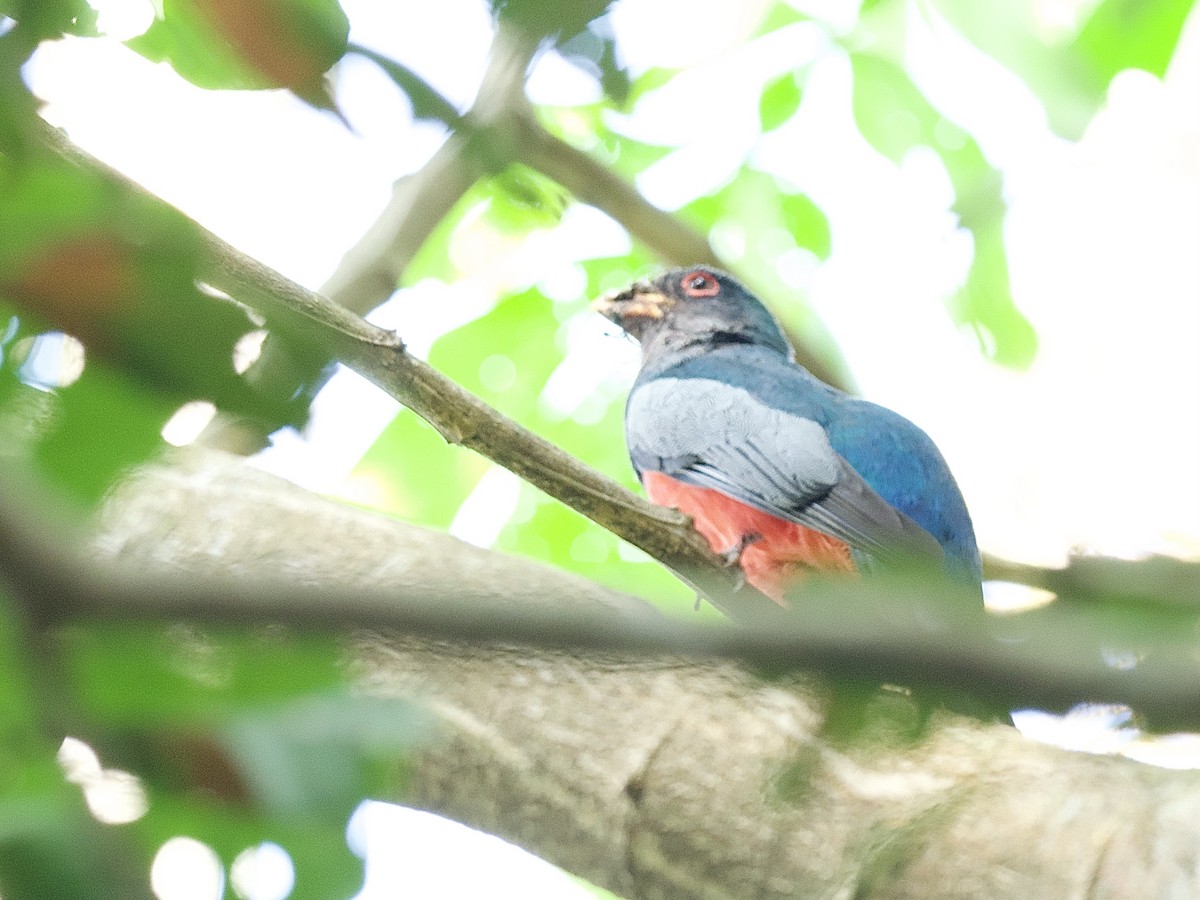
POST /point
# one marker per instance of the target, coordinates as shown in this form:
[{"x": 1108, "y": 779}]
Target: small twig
[
  {"x": 1158, "y": 581},
  {"x": 371, "y": 270},
  {"x": 595, "y": 184}
]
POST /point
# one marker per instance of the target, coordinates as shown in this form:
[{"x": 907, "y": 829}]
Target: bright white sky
[{"x": 1095, "y": 447}]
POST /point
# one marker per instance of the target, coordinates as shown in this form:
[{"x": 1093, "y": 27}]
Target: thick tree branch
[
  {"x": 857, "y": 631},
  {"x": 680, "y": 779}
]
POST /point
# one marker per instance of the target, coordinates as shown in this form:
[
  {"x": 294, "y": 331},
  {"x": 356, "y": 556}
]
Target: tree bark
[{"x": 671, "y": 778}]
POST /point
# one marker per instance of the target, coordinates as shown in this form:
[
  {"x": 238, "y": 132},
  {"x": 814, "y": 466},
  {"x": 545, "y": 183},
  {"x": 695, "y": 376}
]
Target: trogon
[{"x": 779, "y": 471}]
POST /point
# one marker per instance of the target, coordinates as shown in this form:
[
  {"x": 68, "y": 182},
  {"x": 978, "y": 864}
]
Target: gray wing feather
[{"x": 715, "y": 435}]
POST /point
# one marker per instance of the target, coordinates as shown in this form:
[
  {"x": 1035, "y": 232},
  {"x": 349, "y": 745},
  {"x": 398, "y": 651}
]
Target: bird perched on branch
[{"x": 780, "y": 472}]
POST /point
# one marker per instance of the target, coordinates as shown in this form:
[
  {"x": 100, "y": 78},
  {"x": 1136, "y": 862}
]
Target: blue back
[{"x": 895, "y": 457}]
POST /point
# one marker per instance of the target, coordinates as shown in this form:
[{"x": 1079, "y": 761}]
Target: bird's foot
[{"x": 733, "y": 556}]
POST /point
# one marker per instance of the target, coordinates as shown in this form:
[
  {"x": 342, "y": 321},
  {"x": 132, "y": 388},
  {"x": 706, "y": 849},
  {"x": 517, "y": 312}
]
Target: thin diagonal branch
[{"x": 317, "y": 325}]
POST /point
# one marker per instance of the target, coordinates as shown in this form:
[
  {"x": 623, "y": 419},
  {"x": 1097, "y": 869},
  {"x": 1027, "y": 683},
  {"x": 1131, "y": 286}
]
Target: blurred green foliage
[
  {"x": 1070, "y": 68},
  {"x": 219, "y": 44},
  {"x": 241, "y": 738}
]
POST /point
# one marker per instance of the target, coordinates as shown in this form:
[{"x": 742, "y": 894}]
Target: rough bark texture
[{"x": 662, "y": 778}]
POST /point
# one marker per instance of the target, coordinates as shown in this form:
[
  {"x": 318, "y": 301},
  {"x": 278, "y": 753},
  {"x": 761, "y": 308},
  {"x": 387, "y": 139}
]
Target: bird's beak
[{"x": 638, "y": 301}]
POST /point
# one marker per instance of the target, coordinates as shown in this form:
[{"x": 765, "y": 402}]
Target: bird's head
[{"x": 692, "y": 310}]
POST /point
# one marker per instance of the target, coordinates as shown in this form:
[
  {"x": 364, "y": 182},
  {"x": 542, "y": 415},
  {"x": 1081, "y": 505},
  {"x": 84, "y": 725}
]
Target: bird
[{"x": 781, "y": 473}]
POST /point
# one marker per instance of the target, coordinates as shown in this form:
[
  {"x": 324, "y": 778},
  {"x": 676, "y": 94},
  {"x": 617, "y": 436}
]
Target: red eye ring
[{"x": 700, "y": 284}]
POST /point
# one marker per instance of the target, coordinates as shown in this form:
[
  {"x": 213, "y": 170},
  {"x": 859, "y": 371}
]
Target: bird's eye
[{"x": 699, "y": 284}]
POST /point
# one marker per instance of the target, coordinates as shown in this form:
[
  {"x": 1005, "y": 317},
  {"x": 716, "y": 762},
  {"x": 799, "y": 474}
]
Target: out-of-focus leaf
[
  {"x": 895, "y": 117},
  {"x": 240, "y": 44},
  {"x": 523, "y": 199},
  {"x": 42, "y": 19},
  {"x": 779, "y": 16},
  {"x": 521, "y": 329},
  {"x": 549, "y": 18},
  {"x": 627, "y": 156},
  {"x": 984, "y": 303},
  {"x": 317, "y": 757},
  {"x": 260, "y": 722},
  {"x": 426, "y": 102},
  {"x": 594, "y": 50},
  {"x": 118, "y": 272},
  {"x": 242, "y": 738},
  {"x": 771, "y": 218},
  {"x": 101, "y": 425},
  {"x": 504, "y": 357},
  {"x": 18, "y": 711},
  {"x": 650, "y": 80},
  {"x": 78, "y": 437},
  {"x": 590, "y": 128},
  {"x": 46, "y": 845},
  {"x": 191, "y": 677},
  {"x": 1132, "y": 34},
  {"x": 184, "y": 41},
  {"x": 779, "y": 102},
  {"x": 18, "y": 107},
  {"x": 55, "y": 855},
  {"x": 806, "y": 223},
  {"x": 1072, "y": 77}
]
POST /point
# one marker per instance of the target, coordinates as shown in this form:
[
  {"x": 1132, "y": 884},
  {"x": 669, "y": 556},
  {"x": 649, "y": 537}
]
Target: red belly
[{"x": 774, "y": 562}]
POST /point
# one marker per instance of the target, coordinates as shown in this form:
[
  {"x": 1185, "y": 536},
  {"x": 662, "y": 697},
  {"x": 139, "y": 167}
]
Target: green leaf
[
  {"x": 192, "y": 677},
  {"x": 594, "y": 50},
  {"x": 549, "y": 18},
  {"x": 246, "y": 44},
  {"x": 649, "y": 81},
  {"x": 983, "y": 303},
  {"x": 1132, "y": 34},
  {"x": 779, "y": 102},
  {"x": 1071, "y": 78},
  {"x": 43, "y": 19},
  {"x": 184, "y": 41},
  {"x": 118, "y": 271},
  {"x": 19, "y": 737},
  {"x": 779, "y": 16},
  {"x": 806, "y": 223},
  {"x": 319, "y": 756},
  {"x": 102, "y": 426},
  {"x": 426, "y": 102},
  {"x": 57, "y": 856},
  {"x": 47, "y": 840},
  {"x": 523, "y": 199},
  {"x": 767, "y": 221}
]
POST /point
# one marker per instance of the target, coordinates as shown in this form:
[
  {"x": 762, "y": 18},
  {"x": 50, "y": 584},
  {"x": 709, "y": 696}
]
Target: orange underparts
[{"x": 774, "y": 562}]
